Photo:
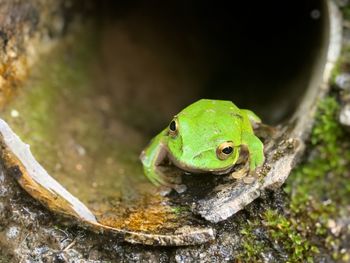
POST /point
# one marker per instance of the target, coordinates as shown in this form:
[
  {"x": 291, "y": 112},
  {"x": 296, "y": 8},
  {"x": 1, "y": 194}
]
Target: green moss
[
  {"x": 324, "y": 176},
  {"x": 287, "y": 232},
  {"x": 252, "y": 247},
  {"x": 346, "y": 12},
  {"x": 320, "y": 187},
  {"x": 68, "y": 118},
  {"x": 180, "y": 209},
  {"x": 60, "y": 76},
  {"x": 319, "y": 191},
  {"x": 282, "y": 231}
]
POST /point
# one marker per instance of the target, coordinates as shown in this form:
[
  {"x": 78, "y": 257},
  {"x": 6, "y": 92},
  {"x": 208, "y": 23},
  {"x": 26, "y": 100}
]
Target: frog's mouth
[{"x": 191, "y": 169}]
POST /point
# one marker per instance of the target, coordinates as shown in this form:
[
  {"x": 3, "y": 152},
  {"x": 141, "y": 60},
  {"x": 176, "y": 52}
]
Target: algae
[{"x": 76, "y": 132}]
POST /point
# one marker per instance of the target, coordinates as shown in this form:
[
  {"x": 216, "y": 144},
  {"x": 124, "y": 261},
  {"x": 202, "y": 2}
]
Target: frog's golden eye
[
  {"x": 173, "y": 128},
  {"x": 224, "y": 150}
]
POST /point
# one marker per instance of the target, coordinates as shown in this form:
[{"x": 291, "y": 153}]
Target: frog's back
[
  {"x": 203, "y": 126},
  {"x": 215, "y": 106},
  {"x": 210, "y": 121}
]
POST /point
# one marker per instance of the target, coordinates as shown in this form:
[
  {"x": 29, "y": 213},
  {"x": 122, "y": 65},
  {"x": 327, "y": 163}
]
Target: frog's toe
[
  {"x": 180, "y": 188},
  {"x": 165, "y": 190},
  {"x": 249, "y": 179},
  {"x": 160, "y": 180},
  {"x": 163, "y": 180},
  {"x": 239, "y": 174}
]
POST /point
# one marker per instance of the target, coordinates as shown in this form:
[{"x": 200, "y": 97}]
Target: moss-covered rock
[{"x": 313, "y": 222}]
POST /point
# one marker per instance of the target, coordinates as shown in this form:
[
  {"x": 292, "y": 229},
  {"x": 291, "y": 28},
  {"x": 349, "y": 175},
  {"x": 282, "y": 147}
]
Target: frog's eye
[
  {"x": 224, "y": 150},
  {"x": 173, "y": 128}
]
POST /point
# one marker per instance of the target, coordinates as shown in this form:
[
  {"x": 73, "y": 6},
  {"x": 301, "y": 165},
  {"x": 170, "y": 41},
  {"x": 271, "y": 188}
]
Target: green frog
[{"x": 205, "y": 137}]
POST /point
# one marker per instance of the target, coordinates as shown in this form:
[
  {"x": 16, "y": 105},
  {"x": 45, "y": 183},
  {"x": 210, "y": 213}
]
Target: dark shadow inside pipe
[{"x": 259, "y": 55}]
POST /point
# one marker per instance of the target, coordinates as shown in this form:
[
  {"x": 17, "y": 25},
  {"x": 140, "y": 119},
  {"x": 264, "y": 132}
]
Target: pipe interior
[{"x": 161, "y": 56}]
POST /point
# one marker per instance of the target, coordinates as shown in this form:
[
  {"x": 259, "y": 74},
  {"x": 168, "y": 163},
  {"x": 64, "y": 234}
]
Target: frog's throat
[{"x": 192, "y": 169}]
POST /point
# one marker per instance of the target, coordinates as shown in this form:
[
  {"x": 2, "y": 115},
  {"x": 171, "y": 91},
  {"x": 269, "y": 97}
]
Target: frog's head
[{"x": 204, "y": 139}]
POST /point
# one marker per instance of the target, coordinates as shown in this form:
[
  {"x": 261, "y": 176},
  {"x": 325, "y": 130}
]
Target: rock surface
[{"x": 344, "y": 115}]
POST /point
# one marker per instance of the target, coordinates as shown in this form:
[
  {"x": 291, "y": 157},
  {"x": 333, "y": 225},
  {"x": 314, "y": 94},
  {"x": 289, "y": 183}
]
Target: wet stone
[
  {"x": 3, "y": 189},
  {"x": 232, "y": 196},
  {"x": 341, "y": 3},
  {"x": 13, "y": 232},
  {"x": 343, "y": 81},
  {"x": 344, "y": 115}
]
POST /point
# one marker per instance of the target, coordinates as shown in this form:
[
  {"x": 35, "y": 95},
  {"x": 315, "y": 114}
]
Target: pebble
[
  {"x": 12, "y": 232},
  {"x": 344, "y": 115},
  {"x": 14, "y": 114},
  {"x": 341, "y": 3},
  {"x": 343, "y": 81}
]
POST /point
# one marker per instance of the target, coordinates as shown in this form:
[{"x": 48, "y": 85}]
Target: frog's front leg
[
  {"x": 152, "y": 157},
  {"x": 255, "y": 148},
  {"x": 254, "y": 120}
]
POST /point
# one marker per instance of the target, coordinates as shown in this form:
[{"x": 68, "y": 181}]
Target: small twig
[
  {"x": 69, "y": 246},
  {"x": 24, "y": 239}
]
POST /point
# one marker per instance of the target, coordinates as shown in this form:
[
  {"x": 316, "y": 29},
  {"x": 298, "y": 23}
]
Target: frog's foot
[
  {"x": 166, "y": 181},
  {"x": 165, "y": 190},
  {"x": 253, "y": 175},
  {"x": 241, "y": 173},
  {"x": 245, "y": 174},
  {"x": 169, "y": 179},
  {"x": 249, "y": 179}
]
